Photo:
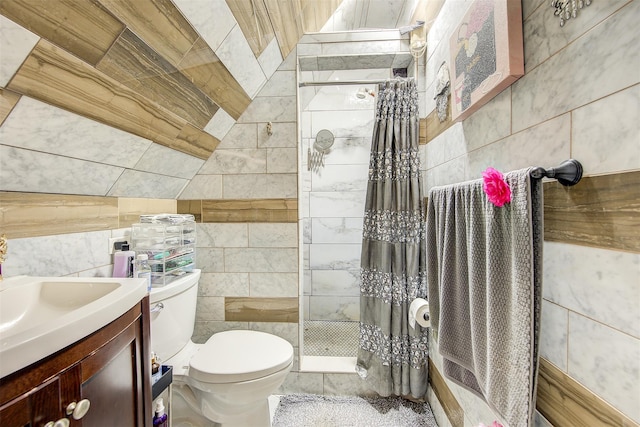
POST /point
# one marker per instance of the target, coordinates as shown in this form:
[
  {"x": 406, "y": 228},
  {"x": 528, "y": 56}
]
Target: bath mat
[{"x": 310, "y": 410}]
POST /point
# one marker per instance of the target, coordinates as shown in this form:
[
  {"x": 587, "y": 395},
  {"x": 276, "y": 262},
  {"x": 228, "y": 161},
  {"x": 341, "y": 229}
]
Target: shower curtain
[{"x": 392, "y": 357}]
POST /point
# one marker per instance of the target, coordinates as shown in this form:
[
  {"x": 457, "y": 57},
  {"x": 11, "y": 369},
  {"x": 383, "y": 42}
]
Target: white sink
[{"x": 41, "y": 315}]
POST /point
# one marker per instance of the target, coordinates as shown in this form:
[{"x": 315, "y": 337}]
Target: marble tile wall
[
  {"x": 50, "y": 236},
  {"x": 187, "y": 47},
  {"x": 578, "y": 98},
  {"x": 76, "y": 155},
  {"x": 73, "y": 254},
  {"x": 17, "y": 42},
  {"x": 218, "y": 26},
  {"x": 360, "y": 54},
  {"x": 251, "y": 262},
  {"x": 80, "y": 156},
  {"x": 50, "y": 150},
  {"x": 244, "y": 260},
  {"x": 249, "y": 163}
]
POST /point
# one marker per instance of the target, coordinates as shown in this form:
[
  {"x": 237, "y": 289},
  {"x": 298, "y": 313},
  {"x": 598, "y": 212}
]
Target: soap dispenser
[{"x": 160, "y": 418}]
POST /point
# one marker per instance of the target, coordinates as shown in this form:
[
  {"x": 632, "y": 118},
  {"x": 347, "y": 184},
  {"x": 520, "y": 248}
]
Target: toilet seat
[{"x": 240, "y": 355}]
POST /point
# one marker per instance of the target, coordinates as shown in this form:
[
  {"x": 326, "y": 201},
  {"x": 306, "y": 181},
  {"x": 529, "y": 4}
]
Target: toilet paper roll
[{"x": 419, "y": 312}]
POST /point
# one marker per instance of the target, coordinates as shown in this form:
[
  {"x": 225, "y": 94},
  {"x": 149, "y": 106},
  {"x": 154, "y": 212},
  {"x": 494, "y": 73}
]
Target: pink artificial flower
[
  {"x": 496, "y": 424},
  {"x": 496, "y": 188}
]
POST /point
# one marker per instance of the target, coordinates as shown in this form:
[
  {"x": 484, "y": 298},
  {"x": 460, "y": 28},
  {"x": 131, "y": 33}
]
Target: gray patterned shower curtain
[{"x": 392, "y": 357}]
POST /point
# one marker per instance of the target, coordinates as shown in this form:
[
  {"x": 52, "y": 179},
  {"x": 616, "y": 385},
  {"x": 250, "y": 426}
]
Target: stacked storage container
[{"x": 169, "y": 240}]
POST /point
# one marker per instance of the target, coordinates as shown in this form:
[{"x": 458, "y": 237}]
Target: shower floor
[{"x": 331, "y": 338}]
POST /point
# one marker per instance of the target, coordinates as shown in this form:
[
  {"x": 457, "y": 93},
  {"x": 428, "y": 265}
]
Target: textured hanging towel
[{"x": 484, "y": 274}]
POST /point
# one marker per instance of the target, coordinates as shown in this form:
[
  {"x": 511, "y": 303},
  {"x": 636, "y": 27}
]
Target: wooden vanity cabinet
[{"x": 111, "y": 368}]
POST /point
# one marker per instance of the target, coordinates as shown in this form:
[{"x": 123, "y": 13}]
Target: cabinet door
[
  {"x": 112, "y": 382},
  {"x": 36, "y": 408},
  {"x": 16, "y": 413},
  {"x": 110, "y": 368}
]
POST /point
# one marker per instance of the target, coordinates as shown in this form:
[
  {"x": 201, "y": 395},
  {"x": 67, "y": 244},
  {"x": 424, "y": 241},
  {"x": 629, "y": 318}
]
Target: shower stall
[
  {"x": 332, "y": 226},
  {"x": 333, "y": 181}
]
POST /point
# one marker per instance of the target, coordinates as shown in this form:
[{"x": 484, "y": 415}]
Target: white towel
[{"x": 484, "y": 273}]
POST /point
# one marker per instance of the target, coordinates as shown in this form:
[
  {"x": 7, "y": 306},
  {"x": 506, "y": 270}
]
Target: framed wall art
[{"x": 486, "y": 54}]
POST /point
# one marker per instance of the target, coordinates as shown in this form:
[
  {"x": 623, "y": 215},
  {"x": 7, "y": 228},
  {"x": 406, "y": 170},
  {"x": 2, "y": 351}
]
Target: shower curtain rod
[
  {"x": 342, "y": 82},
  {"x": 568, "y": 173}
]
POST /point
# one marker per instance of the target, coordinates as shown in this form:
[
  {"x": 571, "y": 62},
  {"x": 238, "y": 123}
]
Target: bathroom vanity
[{"x": 102, "y": 379}]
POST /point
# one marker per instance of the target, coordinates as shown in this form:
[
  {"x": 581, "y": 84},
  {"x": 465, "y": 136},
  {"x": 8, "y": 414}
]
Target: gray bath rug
[{"x": 309, "y": 410}]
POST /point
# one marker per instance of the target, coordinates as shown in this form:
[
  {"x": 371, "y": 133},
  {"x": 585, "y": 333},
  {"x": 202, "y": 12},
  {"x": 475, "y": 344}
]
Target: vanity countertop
[{"x": 42, "y": 315}]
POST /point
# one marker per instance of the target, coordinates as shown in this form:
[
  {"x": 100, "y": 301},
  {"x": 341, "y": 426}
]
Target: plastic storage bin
[{"x": 169, "y": 241}]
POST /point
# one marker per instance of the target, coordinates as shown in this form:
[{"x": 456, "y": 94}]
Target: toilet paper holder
[{"x": 419, "y": 313}]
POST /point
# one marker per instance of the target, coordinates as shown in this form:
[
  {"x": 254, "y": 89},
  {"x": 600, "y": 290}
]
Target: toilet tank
[{"x": 173, "y": 314}]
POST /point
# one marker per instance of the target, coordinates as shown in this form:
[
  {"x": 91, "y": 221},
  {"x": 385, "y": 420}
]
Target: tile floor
[{"x": 331, "y": 338}]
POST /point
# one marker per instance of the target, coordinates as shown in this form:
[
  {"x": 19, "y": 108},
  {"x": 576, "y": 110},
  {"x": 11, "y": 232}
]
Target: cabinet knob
[
  {"x": 62, "y": 422},
  {"x": 77, "y": 410}
]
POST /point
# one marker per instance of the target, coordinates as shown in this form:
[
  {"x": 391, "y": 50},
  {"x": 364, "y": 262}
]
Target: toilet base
[
  {"x": 184, "y": 410},
  {"x": 258, "y": 418},
  {"x": 188, "y": 414}
]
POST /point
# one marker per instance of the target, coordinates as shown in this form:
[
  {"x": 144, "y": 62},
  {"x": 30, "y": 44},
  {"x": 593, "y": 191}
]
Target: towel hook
[{"x": 568, "y": 173}]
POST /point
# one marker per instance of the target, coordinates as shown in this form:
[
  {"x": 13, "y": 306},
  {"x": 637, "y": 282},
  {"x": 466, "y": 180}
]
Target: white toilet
[{"x": 229, "y": 378}]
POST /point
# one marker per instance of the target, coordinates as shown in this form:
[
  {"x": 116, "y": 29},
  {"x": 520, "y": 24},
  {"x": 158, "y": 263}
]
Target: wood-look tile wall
[
  {"x": 564, "y": 402},
  {"x": 451, "y": 407},
  {"x": 205, "y": 69},
  {"x": 152, "y": 21},
  {"x": 600, "y": 211},
  {"x": 33, "y": 214},
  {"x": 253, "y": 18},
  {"x": 247, "y": 309},
  {"x": 76, "y": 36},
  {"x": 140, "y": 66},
  {"x": 8, "y": 100},
  {"x": 291, "y": 19},
  {"x": 53, "y": 75},
  {"x": 252, "y": 210},
  {"x": 431, "y": 126},
  {"x": 560, "y": 399},
  {"x": 37, "y": 214},
  {"x": 130, "y": 209},
  {"x": 250, "y": 309},
  {"x": 422, "y": 135},
  {"x": 84, "y": 28}
]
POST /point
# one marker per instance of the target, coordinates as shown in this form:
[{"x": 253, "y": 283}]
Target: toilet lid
[{"x": 234, "y": 356}]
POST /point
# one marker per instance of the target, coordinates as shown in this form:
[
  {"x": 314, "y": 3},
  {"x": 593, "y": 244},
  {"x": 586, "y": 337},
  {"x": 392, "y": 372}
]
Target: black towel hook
[{"x": 568, "y": 173}]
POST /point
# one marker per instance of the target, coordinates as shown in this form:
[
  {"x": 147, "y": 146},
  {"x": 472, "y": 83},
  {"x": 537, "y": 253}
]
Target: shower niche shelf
[{"x": 170, "y": 243}]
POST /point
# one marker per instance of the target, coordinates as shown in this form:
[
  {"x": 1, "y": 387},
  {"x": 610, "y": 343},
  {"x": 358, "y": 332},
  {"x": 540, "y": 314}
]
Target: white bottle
[{"x": 143, "y": 270}]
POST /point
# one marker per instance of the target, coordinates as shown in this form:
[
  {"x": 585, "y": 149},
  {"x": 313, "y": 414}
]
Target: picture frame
[{"x": 486, "y": 54}]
